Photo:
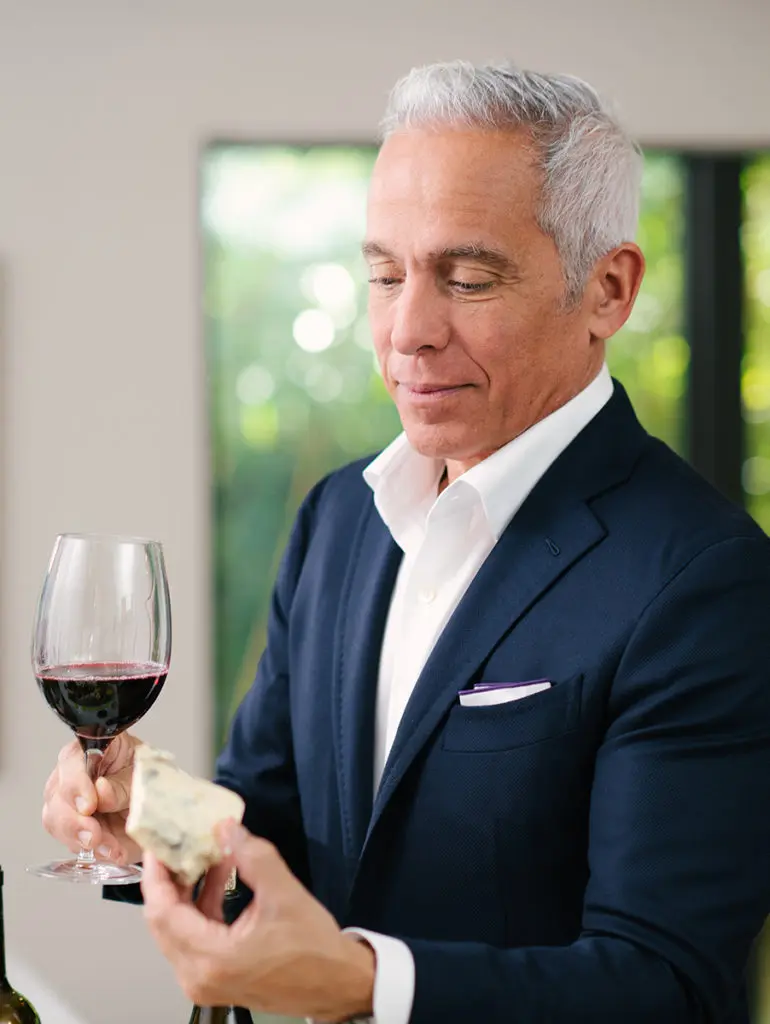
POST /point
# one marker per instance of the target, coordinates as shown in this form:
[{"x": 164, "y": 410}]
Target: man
[{"x": 594, "y": 846}]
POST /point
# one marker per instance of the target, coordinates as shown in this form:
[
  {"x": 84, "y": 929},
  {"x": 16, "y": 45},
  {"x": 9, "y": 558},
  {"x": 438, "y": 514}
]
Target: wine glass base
[{"x": 97, "y": 873}]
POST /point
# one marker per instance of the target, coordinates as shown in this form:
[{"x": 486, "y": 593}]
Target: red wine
[{"x": 100, "y": 700}]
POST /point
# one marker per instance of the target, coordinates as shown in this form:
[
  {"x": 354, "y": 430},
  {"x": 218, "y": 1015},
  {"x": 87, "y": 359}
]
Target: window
[
  {"x": 294, "y": 391},
  {"x": 755, "y": 394},
  {"x": 293, "y": 388}
]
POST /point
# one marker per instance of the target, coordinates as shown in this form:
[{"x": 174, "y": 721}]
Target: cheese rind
[{"x": 173, "y": 814}]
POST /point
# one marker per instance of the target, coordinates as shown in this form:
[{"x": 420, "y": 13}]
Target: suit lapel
[
  {"x": 527, "y": 560},
  {"x": 553, "y": 529},
  {"x": 364, "y": 605}
]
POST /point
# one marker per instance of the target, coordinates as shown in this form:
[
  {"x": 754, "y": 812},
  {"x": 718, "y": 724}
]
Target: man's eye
[
  {"x": 471, "y": 286},
  {"x": 384, "y": 282}
]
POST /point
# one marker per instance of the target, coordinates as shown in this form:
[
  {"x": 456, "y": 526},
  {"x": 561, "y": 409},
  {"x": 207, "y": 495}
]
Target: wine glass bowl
[
  {"x": 98, "y": 701},
  {"x": 100, "y": 654}
]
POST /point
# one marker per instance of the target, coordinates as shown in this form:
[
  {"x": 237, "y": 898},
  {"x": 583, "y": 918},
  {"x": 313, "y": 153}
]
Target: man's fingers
[
  {"x": 178, "y": 927},
  {"x": 158, "y": 887},
  {"x": 74, "y": 808},
  {"x": 213, "y": 890},
  {"x": 197, "y": 948},
  {"x": 104, "y": 834},
  {"x": 52, "y": 785},
  {"x": 162, "y": 900},
  {"x": 120, "y": 753},
  {"x": 74, "y": 786},
  {"x": 115, "y": 844},
  {"x": 63, "y": 822},
  {"x": 114, "y": 832},
  {"x": 114, "y": 791},
  {"x": 258, "y": 862}
]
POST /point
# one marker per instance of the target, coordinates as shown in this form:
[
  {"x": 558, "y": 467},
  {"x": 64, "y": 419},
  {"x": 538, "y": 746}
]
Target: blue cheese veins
[{"x": 173, "y": 814}]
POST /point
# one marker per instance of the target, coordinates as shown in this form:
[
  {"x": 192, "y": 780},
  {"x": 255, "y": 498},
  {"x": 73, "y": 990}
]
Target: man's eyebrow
[
  {"x": 479, "y": 252},
  {"x": 373, "y": 249}
]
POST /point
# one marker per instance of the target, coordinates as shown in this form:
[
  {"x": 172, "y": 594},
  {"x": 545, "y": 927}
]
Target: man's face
[{"x": 467, "y": 310}]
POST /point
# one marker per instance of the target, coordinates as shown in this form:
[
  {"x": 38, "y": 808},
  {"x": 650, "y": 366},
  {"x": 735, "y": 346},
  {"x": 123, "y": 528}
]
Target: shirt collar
[
  {"x": 405, "y": 486},
  {"x": 405, "y": 483}
]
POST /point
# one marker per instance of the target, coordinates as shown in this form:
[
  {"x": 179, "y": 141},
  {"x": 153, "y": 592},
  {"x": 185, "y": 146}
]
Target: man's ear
[{"x": 613, "y": 288}]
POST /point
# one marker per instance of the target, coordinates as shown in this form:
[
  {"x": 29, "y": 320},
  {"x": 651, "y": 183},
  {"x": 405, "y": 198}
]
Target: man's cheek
[{"x": 381, "y": 359}]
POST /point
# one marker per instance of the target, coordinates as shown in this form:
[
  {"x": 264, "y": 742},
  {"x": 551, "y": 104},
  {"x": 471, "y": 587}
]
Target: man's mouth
[{"x": 434, "y": 391}]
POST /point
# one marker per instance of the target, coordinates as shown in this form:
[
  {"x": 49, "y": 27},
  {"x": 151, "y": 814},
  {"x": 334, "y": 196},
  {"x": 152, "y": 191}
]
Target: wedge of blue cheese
[{"x": 173, "y": 814}]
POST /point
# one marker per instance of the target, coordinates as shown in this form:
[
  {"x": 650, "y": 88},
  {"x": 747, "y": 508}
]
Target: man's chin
[{"x": 436, "y": 442}]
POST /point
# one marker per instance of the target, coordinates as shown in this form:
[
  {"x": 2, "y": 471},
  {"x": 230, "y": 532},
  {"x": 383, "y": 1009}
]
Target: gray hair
[{"x": 591, "y": 168}]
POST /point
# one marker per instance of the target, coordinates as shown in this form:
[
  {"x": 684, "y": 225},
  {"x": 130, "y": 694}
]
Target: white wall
[{"x": 104, "y": 107}]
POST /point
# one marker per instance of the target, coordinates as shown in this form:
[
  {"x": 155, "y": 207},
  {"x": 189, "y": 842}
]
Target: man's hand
[
  {"x": 75, "y": 811},
  {"x": 285, "y": 954}
]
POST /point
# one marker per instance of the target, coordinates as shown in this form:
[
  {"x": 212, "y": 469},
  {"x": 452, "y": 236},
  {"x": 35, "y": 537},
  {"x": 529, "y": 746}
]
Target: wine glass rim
[{"x": 118, "y": 538}]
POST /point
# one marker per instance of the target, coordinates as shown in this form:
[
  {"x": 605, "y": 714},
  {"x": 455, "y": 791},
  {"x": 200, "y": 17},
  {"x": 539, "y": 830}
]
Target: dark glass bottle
[
  {"x": 220, "y": 1015},
  {"x": 14, "y": 1008},
  {"x": 213, "y": 1015}
]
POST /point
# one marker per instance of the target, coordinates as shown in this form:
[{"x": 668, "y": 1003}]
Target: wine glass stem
[{"x": 93, "y": 765}]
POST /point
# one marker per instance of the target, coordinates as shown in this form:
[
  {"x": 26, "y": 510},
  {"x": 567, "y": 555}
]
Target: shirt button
[{"x": 427, "y": 595}]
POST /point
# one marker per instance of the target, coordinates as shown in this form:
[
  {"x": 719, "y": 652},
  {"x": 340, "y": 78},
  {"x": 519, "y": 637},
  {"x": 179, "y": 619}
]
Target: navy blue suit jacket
[{"x": 598, "y": 852}]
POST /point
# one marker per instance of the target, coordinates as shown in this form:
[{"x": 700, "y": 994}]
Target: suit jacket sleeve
[{"x": 679, "y": 847}]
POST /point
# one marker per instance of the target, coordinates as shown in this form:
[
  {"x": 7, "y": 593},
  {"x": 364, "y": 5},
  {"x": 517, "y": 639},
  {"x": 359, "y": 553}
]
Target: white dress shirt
[{"x": 445, "y": 539}]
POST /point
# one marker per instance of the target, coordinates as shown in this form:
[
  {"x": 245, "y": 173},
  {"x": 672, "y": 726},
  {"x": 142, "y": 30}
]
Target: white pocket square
[{"x": 485, "y": 694}]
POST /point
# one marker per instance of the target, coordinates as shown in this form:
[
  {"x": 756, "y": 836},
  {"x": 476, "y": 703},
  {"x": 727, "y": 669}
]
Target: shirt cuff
[{"x": 393, "y": 979}]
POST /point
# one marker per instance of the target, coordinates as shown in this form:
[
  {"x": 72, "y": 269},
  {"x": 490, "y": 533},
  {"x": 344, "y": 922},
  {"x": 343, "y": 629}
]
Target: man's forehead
[{"x": 462, "y": 168}]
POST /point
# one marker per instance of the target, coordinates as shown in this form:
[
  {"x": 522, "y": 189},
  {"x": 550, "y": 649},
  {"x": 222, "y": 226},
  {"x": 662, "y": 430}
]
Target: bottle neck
[{"x": 214, "y": 1015}]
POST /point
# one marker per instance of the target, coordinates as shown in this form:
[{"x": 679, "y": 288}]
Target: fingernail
[
  {"x": 81, "y": 804},
  {"x": 104, "y": 851},
  {"x": 236, "y": 835},
  {"x": 85, "y": 839},
  {"x": 228, "y": 835}
]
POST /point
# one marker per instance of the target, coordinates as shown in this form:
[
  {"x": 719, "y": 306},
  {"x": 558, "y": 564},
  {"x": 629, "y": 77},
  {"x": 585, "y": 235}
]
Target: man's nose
[{"x": 420, "y": 319}]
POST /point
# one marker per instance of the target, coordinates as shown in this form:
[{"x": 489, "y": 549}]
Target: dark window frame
[{"x": 714, "y": 317}]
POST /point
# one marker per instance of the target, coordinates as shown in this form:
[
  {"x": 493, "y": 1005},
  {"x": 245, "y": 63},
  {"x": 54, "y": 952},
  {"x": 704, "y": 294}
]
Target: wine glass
[{"x": 100, "y": 653}]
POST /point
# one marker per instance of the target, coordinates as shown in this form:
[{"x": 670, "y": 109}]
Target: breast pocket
[{"x": 517, "y": 723}]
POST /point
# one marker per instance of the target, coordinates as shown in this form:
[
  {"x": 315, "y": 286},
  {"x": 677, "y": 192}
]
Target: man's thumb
[
  {"x": 114, "y": 791},
  {"x": 258, "y": 862}
]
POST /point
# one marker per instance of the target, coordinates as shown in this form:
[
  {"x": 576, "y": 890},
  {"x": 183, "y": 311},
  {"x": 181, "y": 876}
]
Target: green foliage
[
  {"x": 755, "y": 393},
  {"x": 294, "y": 391},
  {"x": 650, "y": 355},
  {"x": 755, "y": 382},
  {"x": 282, "y": 234}
]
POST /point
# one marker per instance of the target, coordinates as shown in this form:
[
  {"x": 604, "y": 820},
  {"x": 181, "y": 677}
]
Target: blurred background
[{"x": 184, "y": 347}]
